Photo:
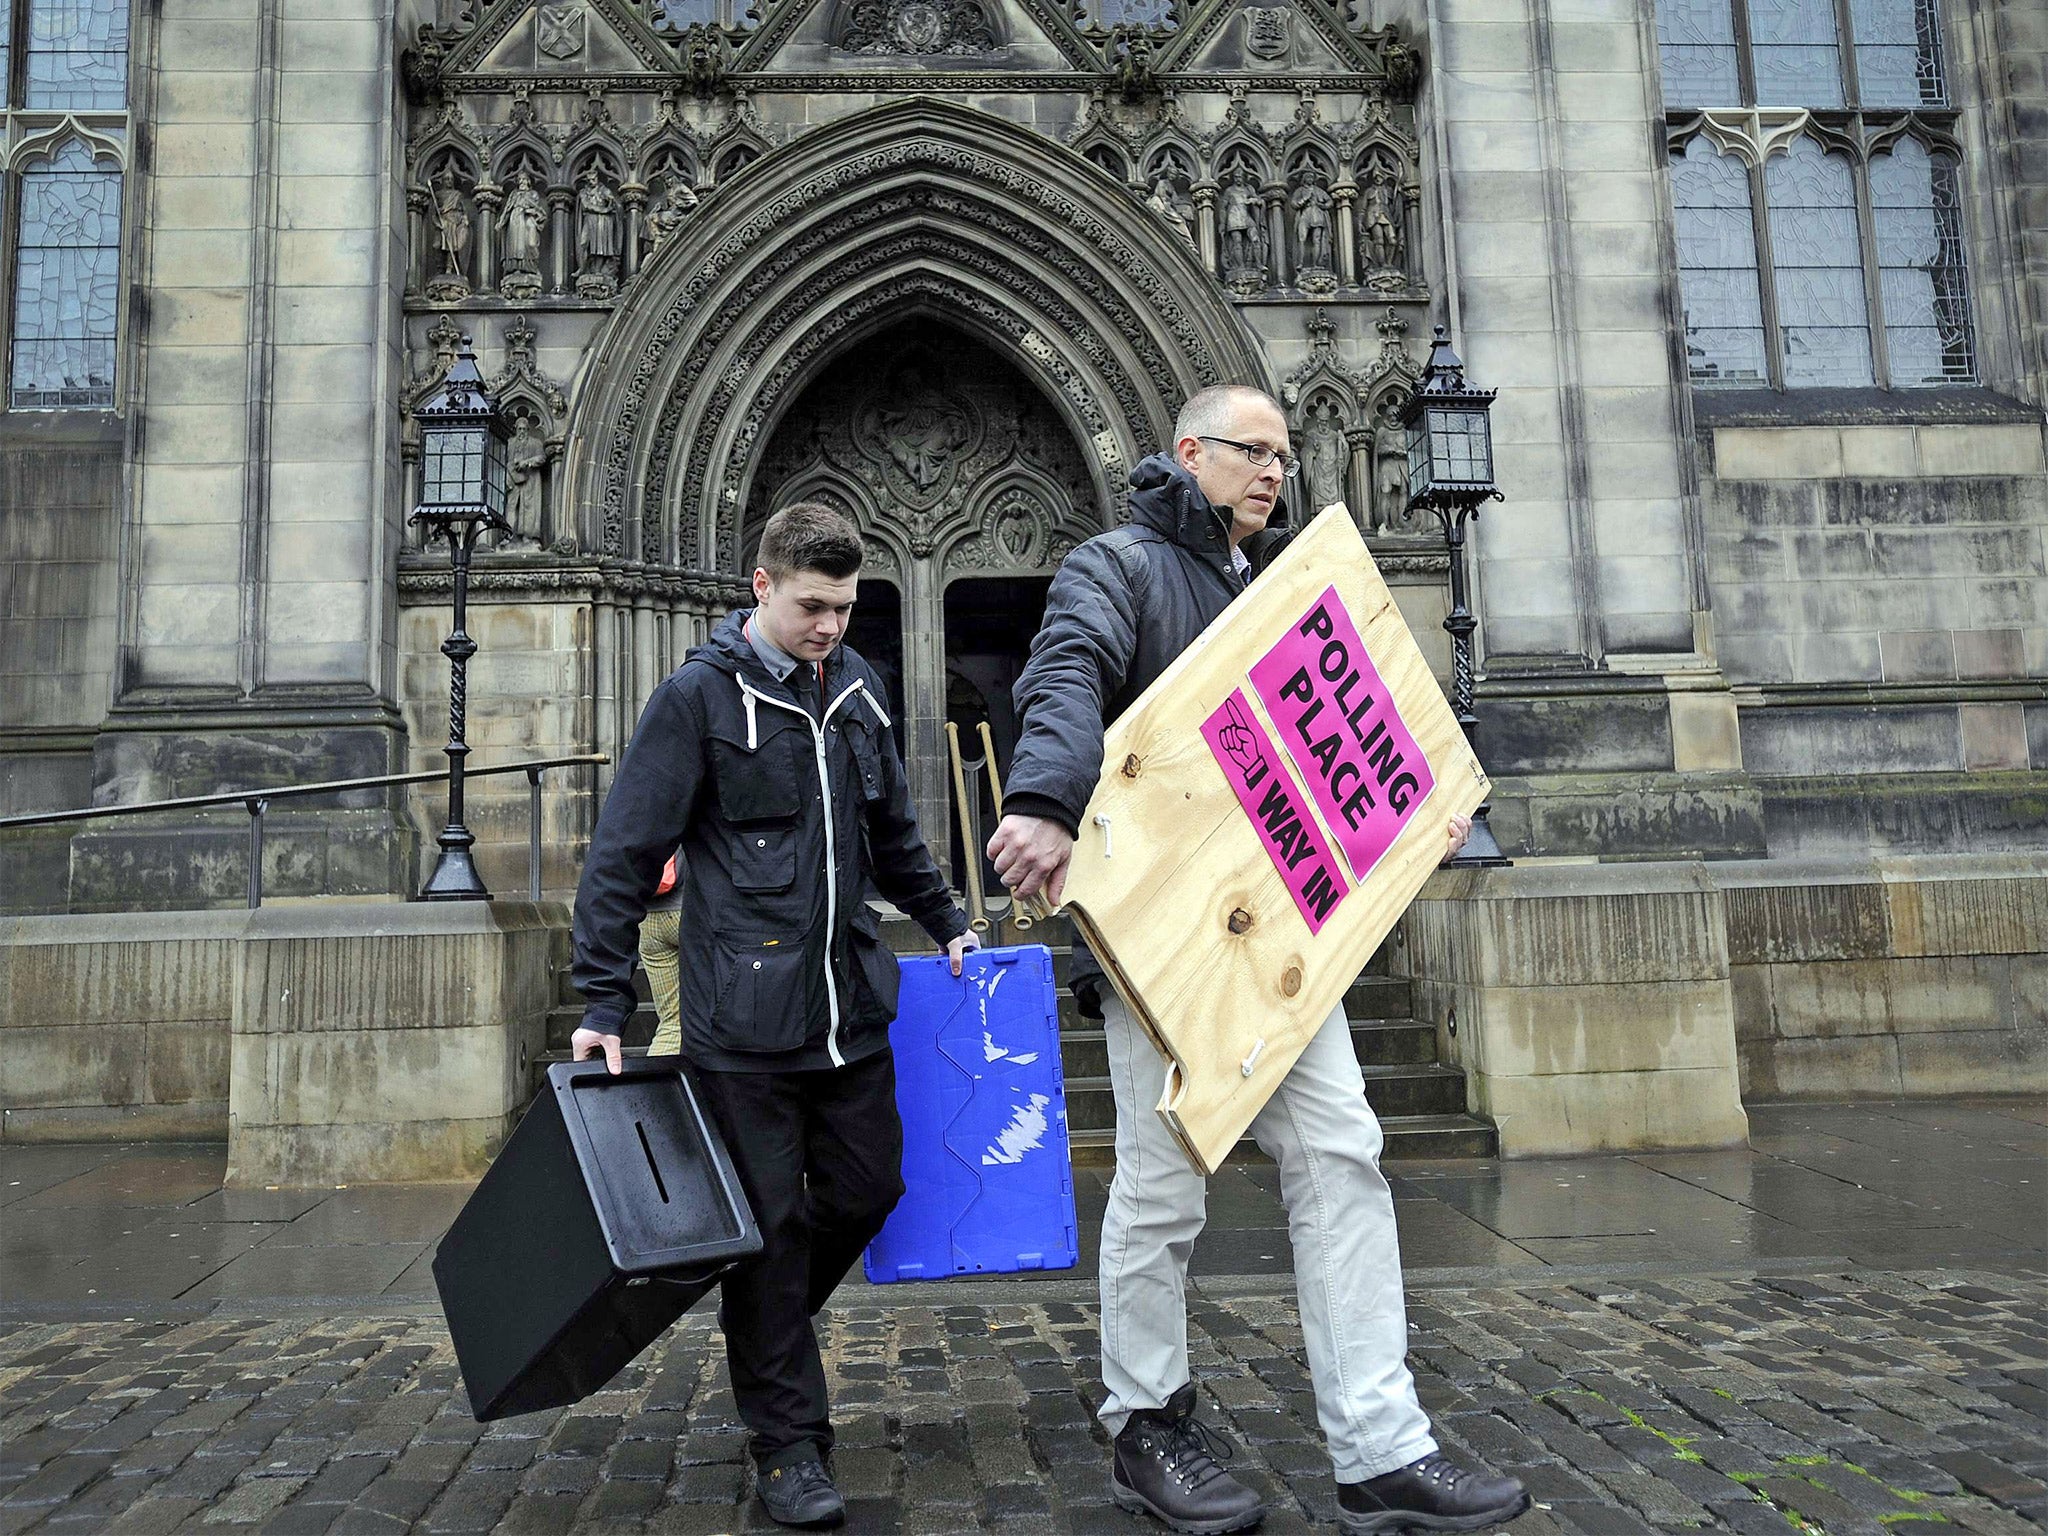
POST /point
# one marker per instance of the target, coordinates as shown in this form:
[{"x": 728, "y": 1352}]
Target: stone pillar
[
  {"x": 1205, "y": 225},
  {"x": 561, "y": 205},
  {"x": 1280, "y": 262},
  {"x": 266, "y": 488},
  {"x": 1345, "y": 192},
  {"x": 634, "y": 197},
  {"x": 489, "y": 198},
  {"x": 417, "y": 201},
  {"x": 1360, "y": 495},
  {"x": 646, "y": 653},
  {"x": 1551, "y": 185}
]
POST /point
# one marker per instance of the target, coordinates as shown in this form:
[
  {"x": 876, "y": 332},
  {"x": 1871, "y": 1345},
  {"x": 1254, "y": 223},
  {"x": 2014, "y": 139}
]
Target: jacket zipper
[{"x": 831, "y": 858}]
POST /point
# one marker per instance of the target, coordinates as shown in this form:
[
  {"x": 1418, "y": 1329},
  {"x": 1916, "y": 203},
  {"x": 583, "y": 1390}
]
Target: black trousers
[{"x": 820, "y": 1155}]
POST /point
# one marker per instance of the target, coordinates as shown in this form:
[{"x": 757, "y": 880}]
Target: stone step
[
  {"x": 1371, "y": 1000},
  {"x": 1400, "y": 1044},
  {"x": 1392, "y": 1091},
  {"x": 1408, "y": 1136},
  {"x": 1375, "y": 995}
]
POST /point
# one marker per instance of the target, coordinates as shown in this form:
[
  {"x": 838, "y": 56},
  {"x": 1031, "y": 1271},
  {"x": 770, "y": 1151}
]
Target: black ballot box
[{"x": 612, "y": 1208}]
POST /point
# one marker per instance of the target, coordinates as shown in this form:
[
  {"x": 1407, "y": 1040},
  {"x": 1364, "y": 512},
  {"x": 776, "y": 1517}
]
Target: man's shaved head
[{"x": 1210, "y": 412}]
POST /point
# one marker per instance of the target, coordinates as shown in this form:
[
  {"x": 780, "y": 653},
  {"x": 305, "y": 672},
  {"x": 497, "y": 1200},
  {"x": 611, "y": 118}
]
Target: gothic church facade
[{"x": 1763, "y": 285}]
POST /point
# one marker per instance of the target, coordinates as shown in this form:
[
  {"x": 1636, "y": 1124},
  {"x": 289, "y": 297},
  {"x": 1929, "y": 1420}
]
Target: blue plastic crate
[{"x": 989, "y": 1180}]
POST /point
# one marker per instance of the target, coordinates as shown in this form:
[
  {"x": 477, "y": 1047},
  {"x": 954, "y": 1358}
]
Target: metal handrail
[{"x": 257, "y": 801}]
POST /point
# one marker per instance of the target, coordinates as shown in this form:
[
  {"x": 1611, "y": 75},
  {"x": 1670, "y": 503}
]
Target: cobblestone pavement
[{"x": 1851, "y": 1402}]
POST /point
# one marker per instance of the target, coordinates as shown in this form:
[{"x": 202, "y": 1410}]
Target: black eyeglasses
[{"x": 1259, "y": 454}]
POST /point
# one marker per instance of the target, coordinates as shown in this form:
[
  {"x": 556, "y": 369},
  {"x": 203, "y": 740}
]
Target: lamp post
[
  {"x": 462, "y": 496},
  {"x": 1450, "y": 472}
]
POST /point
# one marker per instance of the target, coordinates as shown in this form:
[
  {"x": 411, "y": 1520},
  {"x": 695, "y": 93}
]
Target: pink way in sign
[
  {"x": 1339, "y": 725},
  {"x": 1293, "y": 841}
]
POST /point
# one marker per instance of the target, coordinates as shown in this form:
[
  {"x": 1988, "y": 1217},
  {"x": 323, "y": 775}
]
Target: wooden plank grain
[{"x": 1171, "y": 882}]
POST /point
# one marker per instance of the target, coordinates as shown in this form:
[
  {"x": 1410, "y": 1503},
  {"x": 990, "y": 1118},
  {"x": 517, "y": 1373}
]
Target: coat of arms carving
[
  {"x": 560, "y": 30},
  {"x": 1268, "y": 31}
]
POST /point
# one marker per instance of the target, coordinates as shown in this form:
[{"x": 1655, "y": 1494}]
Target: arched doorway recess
[{"x": 969, "y": 488}]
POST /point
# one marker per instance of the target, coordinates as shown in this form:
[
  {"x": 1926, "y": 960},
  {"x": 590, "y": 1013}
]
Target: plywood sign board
[{"x": 1267, "y": 810}]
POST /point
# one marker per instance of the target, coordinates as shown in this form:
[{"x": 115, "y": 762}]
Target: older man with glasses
[{"x": 1123, "y": 606}]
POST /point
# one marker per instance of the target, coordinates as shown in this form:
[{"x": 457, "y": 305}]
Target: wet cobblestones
[{"x": 1847, "y": 1403}]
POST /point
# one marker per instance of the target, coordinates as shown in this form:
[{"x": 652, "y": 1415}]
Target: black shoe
[
  {"x": 1165, "y": 1466},
  {"x": 801, "y": 1494},
  {"x": 1433, "y": 1494}
]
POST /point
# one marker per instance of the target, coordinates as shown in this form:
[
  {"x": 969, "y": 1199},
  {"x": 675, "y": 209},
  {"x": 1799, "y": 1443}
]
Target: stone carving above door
[{"x": 939, "y": 450}]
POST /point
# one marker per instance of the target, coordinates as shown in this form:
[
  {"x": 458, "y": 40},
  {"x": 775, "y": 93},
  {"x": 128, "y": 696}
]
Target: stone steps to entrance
[{"x": 1419, "y": 1100}]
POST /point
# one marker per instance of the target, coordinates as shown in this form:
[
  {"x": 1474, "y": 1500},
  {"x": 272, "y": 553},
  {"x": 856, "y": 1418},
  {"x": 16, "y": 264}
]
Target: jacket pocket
[
  {"x": 764, "y": 857},
  {"x": 762, "y": 996},
  {"x": 759, "y": 785},
  {"x": 875, "y": 967},
  {"x": 863, "y": 741}
]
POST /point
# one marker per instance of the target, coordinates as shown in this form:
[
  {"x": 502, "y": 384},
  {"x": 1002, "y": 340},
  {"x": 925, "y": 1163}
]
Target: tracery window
[
  {"x": 64, "y": 69},
  {"x": 1816, "y": 180}
]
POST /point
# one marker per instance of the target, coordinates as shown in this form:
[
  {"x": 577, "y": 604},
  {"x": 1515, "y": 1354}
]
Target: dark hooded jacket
[
  {"x": 783, "y": 819},
  {"x": 1122, "y": 607}
]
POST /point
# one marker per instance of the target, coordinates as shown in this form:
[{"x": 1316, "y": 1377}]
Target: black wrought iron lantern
[
  {"x": 462, "y": 448},
  {"x": 462, "y": 497},
  {"x": 1450, "y": 433},
  {"x": 1450, "y": 472}
]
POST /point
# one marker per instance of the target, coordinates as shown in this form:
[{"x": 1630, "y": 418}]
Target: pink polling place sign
[
  {"x": 1342, "y": 731},
  {"x": 1282, "y": 819}
]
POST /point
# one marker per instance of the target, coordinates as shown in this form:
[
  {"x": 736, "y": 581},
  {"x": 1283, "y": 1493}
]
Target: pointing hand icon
[{"x": 1240, "y": 742}]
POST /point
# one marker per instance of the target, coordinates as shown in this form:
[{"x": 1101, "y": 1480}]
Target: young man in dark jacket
[
  {"x": 1123, "y": 606},
  {"x": 767, "y": 757}
]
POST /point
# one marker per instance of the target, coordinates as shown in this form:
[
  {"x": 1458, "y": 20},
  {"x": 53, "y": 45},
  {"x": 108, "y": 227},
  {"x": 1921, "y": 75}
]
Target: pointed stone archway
[{"x": 920, "y": 207}]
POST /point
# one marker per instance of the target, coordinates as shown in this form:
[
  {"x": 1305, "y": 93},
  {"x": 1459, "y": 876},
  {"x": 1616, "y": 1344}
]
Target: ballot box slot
[
  {"x": 651, "y": 1128},
  {"x": 660, "y": 1188}
]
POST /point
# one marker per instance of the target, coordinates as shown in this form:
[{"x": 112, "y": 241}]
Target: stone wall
[
  {"x": 1891, "y": 978},
  {"x": 385, "y": 1042},
  {"x": 1589, "y": 1005},
  {"x": 1881, "y": 603},
  {"x": 326, "y": 1043},
  {"x": 116, "y": 1027},
  {"x": 1611, "y": 1007}
]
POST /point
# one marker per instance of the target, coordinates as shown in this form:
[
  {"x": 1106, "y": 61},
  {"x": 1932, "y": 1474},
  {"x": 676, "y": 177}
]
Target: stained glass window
[
  {"x": 1784, "y": 297},
  {"x": 1147, "y": 15},
  {"x": 1817, "y": 263},
  {"x": 6, "y": 59},
  {"x": 1923, "y": 278},
  {"x": 67, "y": 282},
  {"x": 1898, "y": 53},
  {"x": 681, "y": 15},
  {"x": 78, "y": 54},
  {"x": 1696, "y": 39},
  {"x": 1795, "y": 53},
  {"x": 1724, "y": 312}
]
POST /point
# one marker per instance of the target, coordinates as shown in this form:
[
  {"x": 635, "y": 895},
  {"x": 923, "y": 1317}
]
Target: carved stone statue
[
  {"x": 451, "y": 238},
  {"x": 921, "y": 431},
  {"x": 597, "y": 238},
  {"x": 522, "y": 225},
  {"x": 1312, "y": 204},
  {"x": 1244, "y": 229},
  {"x": 1165, "y": 201},
  {"x": 1389, "y": 472},
  {"x": 1130, "y": 63},
  {"x": 705, "y": 57},
  {"x": 667, "y": 212},
  {"x": 1383, "y": 240},
  {"x": 526, "y": 470},
  {"x": 1325, "y": 450}
]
